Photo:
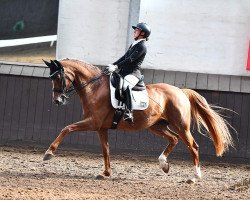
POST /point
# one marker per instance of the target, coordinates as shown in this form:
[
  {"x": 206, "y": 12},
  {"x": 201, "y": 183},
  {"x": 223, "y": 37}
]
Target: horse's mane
[{"x": 82, "y": 63}]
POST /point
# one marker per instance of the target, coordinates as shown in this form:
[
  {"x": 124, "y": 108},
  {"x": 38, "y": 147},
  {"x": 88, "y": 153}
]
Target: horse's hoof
[
  {"x": 48, "y": 156},
  {"x": 165, "y": 168},
  {"x": 100, "y": 177},
  {"x": 107, "y": 173},
  {"x": 198, "y": 176},
  {"x": 191, "y": 181}
]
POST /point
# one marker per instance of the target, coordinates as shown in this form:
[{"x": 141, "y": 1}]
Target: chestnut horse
[{"x": 168, "y": 115}]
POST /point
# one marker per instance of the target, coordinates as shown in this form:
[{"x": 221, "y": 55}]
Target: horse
[{"x": 168, "y": 115}]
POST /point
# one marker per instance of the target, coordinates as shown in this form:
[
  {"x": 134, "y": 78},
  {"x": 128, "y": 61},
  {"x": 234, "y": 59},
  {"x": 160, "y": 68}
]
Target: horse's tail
[{"x": 203, "y": 114}]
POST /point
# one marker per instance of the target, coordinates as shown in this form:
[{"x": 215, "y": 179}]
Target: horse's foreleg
[
  {"x": 161, "y": 129},
  {"x": 84, "y": 125},
  {"x": 103, "y": 136}
]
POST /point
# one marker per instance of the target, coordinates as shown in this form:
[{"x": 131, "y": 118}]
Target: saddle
[{"x": 140, "y": 98}]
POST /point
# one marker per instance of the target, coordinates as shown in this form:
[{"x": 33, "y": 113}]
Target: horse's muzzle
[{"x": 60, "y": 100}]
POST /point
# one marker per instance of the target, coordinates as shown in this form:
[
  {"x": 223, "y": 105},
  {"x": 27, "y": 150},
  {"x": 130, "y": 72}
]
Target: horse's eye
[{"x": 58, "y": 76}]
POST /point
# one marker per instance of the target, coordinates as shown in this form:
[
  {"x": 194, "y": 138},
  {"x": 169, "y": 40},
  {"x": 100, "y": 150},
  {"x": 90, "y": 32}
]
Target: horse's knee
[
  {"x": 66, "y": 130},
  {"x": 174, "y": 141},
  {"x": 196, "y": 146}
]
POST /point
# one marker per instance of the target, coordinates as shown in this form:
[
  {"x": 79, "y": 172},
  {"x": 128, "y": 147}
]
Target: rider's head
[{"x": 142, "y": 30}]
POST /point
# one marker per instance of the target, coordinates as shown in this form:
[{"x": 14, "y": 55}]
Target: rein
[{"x": 82, "y": 85}]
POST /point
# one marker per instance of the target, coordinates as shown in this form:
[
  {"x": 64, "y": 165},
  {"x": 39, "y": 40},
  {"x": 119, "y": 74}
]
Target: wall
[
  {"x": 189, "y": 36},
  {"x": 198, "y": 36},
  {"x": 92, "y": 30},
  {"x": 27, "y": 114}
]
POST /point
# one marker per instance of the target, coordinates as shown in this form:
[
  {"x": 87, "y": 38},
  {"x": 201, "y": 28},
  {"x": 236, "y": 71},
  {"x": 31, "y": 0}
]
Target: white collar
[{"x": 137, "y": 41}]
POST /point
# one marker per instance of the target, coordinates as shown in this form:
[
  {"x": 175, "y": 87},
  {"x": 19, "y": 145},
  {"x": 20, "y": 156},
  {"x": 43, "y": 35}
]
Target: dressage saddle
[{"x": 116, "y": 81}]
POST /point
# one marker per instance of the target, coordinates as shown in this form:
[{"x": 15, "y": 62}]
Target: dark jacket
[{"x": 131, "y": 61}]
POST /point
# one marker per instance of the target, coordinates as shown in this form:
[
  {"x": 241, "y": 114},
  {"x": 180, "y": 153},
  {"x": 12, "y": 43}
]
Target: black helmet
[{"x": 143, "y": 27}]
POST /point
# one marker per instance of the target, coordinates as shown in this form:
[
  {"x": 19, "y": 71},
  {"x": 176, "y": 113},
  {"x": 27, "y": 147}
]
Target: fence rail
[{"x": 25, "y": 41}]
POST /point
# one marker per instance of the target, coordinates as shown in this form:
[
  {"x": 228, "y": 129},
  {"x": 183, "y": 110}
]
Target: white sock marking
[
  {"x": 162, "y": 160},
  {"x": 197, "y": 172}
]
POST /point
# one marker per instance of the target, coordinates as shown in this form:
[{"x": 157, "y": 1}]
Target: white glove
[{"x": 111, "y": 67}]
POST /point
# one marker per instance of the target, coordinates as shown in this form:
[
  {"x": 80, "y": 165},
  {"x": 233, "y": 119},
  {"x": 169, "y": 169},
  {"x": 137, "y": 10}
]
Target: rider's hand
[{"x": 110, "y": 68}]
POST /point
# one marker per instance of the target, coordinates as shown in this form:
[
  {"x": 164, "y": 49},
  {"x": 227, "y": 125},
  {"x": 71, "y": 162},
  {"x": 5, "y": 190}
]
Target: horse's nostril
[{"x": 57, "y": 102}]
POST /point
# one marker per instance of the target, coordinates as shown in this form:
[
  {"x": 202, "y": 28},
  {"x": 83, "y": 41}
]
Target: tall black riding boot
[{"x": 128, "y": 115}]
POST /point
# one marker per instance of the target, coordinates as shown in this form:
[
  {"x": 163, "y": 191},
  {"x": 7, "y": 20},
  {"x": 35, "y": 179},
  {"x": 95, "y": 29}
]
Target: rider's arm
[
  {"x": 122, "y": 58},
  {"x": 137, "y": 52},
  {"x": 118, "y": 61}
]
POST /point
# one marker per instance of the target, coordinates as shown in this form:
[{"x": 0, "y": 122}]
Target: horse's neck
[
  {"x": 84, "y": 72},
  {"x": 95, "y": 94}
]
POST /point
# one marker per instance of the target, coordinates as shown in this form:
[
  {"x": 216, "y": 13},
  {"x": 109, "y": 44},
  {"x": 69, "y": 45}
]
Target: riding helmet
[{"x": 143, "y": 27}]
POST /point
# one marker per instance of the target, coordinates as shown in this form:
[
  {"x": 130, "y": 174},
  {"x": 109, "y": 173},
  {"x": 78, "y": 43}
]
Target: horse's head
[{"x": 60, "y": 84}]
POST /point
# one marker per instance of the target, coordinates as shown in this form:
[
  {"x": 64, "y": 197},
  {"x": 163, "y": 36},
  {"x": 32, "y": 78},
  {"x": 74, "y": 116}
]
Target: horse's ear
[
  {"x": 55, "y": 67},
  {"x": 47, "y": 63},
  {"x": 58, "y": 64}
]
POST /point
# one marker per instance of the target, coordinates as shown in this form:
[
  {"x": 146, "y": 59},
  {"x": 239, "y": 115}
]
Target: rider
[{"x": 129, "y": 65}]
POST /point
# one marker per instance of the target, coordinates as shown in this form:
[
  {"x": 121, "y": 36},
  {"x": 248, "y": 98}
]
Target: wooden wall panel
[
  {"x": 213, "y": 82},
  {"x": 202, "y": 81},
  {"x": 8, "y": 108},
  {"x": 224, "y": 83},
  {"x": 235, "y": 84},
  {"x": 37, "y": 126},
  {"x": 32, "y": 106},
  {"x": 191, "y": 80},
  {"x": 46, "y": 104},
  {"x": 3, "y": 91},
  {"x": 27, "y": 114},
  {"x": 16, "y": 108}
]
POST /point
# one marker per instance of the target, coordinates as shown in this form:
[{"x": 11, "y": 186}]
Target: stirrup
[{"x": 128, "y": 116}]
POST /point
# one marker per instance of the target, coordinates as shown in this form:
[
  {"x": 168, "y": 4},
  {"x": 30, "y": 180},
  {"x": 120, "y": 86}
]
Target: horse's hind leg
[
  {"x": 161, "y": 129},
  {"x": 194, "y": 150}
]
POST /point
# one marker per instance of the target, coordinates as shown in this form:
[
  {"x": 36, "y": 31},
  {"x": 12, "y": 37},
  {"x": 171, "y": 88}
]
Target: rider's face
[{"x": 136, "y": 32}]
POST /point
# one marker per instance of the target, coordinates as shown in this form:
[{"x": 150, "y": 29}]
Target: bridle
[{"x": 63, "y": 91}]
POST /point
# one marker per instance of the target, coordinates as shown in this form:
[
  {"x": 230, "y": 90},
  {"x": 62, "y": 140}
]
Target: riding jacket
[{"x": 130, "y": 62}]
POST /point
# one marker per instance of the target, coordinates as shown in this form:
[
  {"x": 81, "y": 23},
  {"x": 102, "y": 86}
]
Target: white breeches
[{"x": 130, "y": 80}]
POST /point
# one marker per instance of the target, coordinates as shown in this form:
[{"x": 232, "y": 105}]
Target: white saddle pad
[{"x": 140, "y": 99}]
